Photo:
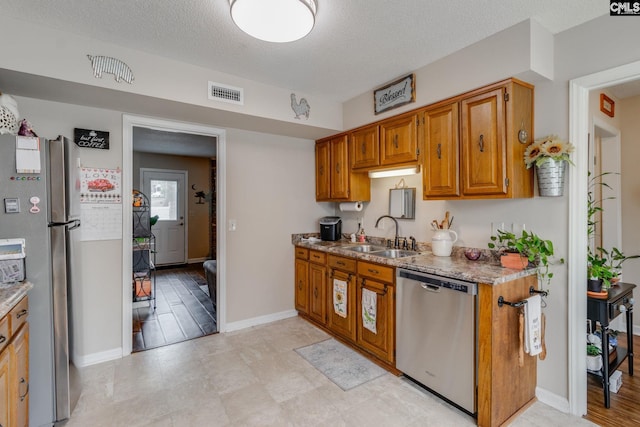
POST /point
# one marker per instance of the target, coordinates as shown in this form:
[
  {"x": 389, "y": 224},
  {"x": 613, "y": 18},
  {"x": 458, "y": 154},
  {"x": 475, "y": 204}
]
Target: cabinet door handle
[
  {"x": 481, "y": 143},
  {"x": 300, "y": 284},
  {"x": 395, "y": 140},
  {"x": 364, "y": 150},
  {"x": 315, "y": 292},
  {"x": 372, "y": 271},
  {"x": 337, "y": 167},
  {"x": 439, "y": 151},
  {"x": 340, "y": 263},
  {"x": 22, "y": 396},
  {"x": 321, "y": 170},
  {"x": 2, "y": 339},
  {"x": 21, "y": 313}
]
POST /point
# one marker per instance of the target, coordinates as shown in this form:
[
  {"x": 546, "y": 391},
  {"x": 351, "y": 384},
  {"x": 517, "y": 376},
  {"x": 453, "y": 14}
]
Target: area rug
[{"x": 342, "y": 365}]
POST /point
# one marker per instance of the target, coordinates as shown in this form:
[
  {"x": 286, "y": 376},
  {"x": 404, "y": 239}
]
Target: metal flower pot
[{"x": 551, "y": 178}]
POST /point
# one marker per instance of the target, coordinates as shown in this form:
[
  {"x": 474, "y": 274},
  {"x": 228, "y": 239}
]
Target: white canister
[{"x": 442, "y": 242}]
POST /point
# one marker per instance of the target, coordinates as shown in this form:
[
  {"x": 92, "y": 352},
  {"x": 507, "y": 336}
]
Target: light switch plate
[{"x": 12, "y": 205}]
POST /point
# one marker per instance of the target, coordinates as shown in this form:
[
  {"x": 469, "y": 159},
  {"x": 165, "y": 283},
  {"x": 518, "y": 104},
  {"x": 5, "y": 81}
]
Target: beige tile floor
[{"x": 254, "y": 378}]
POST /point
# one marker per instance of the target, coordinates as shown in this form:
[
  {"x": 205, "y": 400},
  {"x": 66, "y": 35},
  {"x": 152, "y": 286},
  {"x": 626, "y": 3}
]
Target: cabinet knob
[{"x": 622, "y": 308}]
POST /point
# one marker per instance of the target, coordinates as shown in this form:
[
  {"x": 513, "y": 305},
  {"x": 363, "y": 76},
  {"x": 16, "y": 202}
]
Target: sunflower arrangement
[{"x": 544, "y": 149}]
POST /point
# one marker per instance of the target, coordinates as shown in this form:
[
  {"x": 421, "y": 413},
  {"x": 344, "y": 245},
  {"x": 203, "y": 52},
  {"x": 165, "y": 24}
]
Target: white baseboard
[
  {"x": 555, "y": 401},
  {"x": 95, "y": 358},
  {"x": 260, "y": 320},
  {"x": 196, "y": 260}
]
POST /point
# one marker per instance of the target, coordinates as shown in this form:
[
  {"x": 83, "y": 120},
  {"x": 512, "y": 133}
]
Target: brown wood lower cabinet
[
  {"x": 342, "y": 314},
  {"x": 504, "y": 387},
  {"x": 381, "y": 341},
  {"x": 318, "y": 287},
  {"x": 302, "y": 280},
  {"x": 14, "y": 367}
]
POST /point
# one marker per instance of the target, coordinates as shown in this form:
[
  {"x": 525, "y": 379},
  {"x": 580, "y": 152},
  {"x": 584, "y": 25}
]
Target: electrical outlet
[{"x": 233, "y": 225}]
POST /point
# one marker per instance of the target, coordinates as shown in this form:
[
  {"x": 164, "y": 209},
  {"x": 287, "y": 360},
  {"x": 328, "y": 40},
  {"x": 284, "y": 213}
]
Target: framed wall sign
[
  {"x": 607, "y": 105},
  {"x": 395, "y": 94},
  {"x": 88, "y": 138}
]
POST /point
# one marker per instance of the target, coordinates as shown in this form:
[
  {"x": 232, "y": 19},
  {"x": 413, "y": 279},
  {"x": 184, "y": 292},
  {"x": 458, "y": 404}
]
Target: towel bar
[{"x": 501, "y": 302}]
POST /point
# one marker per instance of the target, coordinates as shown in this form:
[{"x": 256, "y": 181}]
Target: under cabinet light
[{"x": 394, "y": 172}]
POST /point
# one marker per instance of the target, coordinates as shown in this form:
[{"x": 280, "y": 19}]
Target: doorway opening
[
  {"x": 154, "y": 152},
  {"x": 579, "y": 129}
]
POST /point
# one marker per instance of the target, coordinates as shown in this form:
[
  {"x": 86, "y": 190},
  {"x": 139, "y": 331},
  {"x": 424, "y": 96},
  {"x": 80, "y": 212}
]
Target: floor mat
[{"x": 342, "y": 365}]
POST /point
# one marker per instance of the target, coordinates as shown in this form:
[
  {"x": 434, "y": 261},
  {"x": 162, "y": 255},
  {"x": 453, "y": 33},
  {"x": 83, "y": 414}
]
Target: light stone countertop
[
  {"x": 11, "y": 294},
  {"x": 487, "y": 269}
]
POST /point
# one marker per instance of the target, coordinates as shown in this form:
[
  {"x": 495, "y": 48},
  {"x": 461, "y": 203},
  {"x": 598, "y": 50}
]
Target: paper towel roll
[{"x": 351, "y": 207}]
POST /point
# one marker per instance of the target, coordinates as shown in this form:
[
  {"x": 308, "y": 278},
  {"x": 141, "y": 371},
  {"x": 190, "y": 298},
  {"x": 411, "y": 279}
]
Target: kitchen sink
[
  {"x": 394, "y": 253},
  {"x": 364, "y": 248}
]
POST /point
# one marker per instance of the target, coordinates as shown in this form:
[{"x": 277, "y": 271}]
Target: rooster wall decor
[{"x": 300, "y": 108}]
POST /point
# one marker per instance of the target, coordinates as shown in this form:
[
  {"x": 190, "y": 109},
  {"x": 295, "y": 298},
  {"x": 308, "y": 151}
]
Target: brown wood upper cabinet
[
  {"x": 365, "y": 147},
  {"x": 441, "y": 146},
  {"x": 486, "y": 151},
  {"x": 334, "y": 179},
  {"x": 399, "y": 140}
]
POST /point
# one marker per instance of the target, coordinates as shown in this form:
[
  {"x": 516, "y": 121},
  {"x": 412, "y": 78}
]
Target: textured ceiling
[{"x": 356, "y": 45}]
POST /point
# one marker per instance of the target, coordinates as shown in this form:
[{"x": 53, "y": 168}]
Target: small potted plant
[
  {"x": 594, "y": 357},
  {"x": 599, "y": 272},
  {"x": 528, "y": 249}
]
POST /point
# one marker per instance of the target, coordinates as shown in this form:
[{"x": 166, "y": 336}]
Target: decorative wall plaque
[
  {"x": 87, "y": 138},
  {"x": 395, "y": 94}
]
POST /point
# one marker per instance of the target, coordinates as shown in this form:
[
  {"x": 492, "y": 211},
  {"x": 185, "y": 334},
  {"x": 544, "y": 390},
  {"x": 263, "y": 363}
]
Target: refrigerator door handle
[{"x": 74, "y": 223}]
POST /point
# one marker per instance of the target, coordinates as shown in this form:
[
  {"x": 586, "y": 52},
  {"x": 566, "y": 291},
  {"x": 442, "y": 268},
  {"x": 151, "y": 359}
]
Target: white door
[{"x": 166, "y": 191}]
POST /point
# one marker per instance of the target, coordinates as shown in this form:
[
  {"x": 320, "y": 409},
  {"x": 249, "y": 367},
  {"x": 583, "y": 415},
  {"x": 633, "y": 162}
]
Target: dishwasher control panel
[{"x": 433, "y": 280}]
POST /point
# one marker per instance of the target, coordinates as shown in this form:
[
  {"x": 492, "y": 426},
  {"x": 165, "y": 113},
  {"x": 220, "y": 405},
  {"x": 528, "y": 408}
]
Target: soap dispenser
[{"x": 361, "y": 236}]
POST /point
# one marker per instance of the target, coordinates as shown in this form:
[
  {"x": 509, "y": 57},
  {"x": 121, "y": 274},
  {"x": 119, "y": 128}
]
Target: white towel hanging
[{"x": 533, "y": 326}]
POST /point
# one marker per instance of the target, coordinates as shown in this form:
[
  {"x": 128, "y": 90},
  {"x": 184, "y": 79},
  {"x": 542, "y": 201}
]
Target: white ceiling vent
[{"x": 226, "y": 93}]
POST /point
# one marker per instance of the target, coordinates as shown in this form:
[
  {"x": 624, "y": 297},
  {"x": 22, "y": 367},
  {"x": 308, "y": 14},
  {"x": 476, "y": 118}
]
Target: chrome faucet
[{"x": 396, "y": 241}]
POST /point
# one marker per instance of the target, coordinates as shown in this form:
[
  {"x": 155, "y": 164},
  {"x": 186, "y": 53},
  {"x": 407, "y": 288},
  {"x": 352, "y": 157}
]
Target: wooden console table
[{"x": 604, "y": 310}]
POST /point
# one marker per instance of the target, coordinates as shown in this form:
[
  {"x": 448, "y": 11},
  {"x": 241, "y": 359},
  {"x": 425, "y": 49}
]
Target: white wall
[{"x": 271, "y": 194}]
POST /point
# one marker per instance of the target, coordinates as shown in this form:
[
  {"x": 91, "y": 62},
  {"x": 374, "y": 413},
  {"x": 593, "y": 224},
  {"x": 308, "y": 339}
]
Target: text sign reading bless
[
  {"x": 87, "y": 138},
  {"x": 393, "y": 95}
]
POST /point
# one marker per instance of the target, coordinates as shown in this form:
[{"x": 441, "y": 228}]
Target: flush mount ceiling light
[{"x": 276, "y": 21}]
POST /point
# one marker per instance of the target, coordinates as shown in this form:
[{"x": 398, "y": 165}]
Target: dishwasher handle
[{"x": 430, "y": 288}]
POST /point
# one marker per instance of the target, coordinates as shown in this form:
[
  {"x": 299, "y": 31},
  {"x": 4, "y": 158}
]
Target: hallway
[{"x": 184, "y": 310}]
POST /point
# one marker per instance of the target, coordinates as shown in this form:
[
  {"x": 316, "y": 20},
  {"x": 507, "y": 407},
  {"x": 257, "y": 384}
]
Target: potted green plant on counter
[{"x": 529, "y": 249}]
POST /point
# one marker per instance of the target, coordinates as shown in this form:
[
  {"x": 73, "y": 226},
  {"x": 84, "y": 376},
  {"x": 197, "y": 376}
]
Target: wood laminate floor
[
  {"x": 625, "y": 408},
  {"x": 183, "y": 309}
]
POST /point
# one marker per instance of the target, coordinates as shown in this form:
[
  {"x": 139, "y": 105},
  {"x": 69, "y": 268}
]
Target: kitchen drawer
[
  {"x": 342, "y": 263},
  {"x": 376, "y": 271},
  {"x": 318, "y": 257},
  {"x": 18, "y": 316},
  {"x": 4, "y": 332},
  {"x": 302, "y": 253}
]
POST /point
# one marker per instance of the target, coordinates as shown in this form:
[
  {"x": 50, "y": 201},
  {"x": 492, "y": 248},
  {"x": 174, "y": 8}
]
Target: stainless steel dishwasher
[{"x": 436, "y": 335}]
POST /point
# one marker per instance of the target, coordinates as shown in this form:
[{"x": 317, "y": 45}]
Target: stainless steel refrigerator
[{"x": 39, "y": 188}]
